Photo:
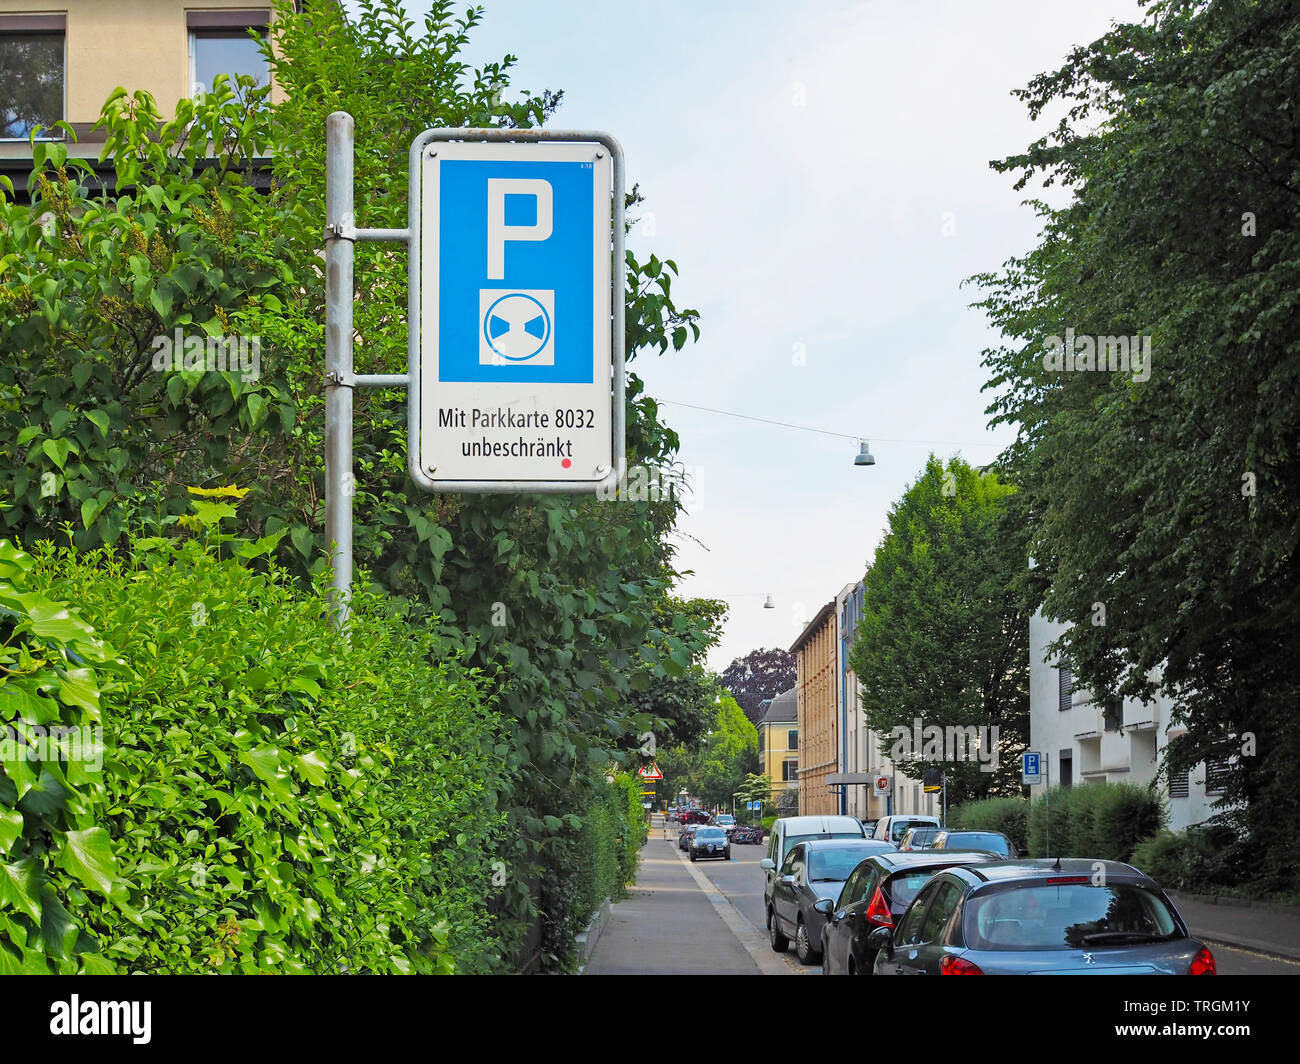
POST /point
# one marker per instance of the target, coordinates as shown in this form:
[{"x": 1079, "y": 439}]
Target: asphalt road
[{"x": 741, "y": 881}]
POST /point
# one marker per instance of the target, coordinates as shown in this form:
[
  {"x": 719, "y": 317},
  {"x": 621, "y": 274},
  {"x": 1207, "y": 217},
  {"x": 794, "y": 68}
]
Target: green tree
[
  {"x": 944, "y": 633},
  {"x": 1164, "y": 500},
  {"x": 91, "y": 433}
]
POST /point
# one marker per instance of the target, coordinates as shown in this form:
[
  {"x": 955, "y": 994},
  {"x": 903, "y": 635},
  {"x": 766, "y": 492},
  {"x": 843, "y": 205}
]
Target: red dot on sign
[{"x": 566, "y": 463}]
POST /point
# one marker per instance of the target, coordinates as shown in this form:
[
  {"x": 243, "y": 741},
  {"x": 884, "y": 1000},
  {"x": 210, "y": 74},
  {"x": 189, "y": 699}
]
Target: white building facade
[{"x": 1083, "y": 741}]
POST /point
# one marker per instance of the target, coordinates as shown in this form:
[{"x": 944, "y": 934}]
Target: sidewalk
[
  {"x": 1271, "y": 929},
  {"x": 668, "y": 925}
]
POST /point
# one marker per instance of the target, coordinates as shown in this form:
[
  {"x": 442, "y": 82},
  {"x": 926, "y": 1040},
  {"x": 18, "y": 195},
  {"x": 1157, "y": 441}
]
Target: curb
[
  {"x": 586, "y": 940},
  {"x": 1234, "y": 902}
]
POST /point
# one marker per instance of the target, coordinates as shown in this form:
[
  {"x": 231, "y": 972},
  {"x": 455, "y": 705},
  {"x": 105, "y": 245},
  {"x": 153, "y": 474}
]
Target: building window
[
  {"x": 31, "y": 75},
  {"x": 220, "y": 43},
  {"x": 1067, "y": 768},
  {"x": 1065, "y": 688},
  {"x": 1178, "y": 784},
  {"x": 1112, "y": 713},
  {"x": 1216, "y": 775},
  {"x": 762, "y": 736},
  {"x": 792, "y": 739},
  {"x": 789, "y": 771}
]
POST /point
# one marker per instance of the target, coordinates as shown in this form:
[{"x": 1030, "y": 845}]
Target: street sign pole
[{"x": 340, "y": 236}]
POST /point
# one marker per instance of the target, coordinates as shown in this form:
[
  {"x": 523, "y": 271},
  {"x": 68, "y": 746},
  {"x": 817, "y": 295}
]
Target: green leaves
[
  {"x": 20, "y": 887},
  {"x": 88, "y": 856}
]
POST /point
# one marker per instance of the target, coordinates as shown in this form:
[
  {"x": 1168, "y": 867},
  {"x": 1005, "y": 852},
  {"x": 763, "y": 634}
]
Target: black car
[
  {"x": 684, "y": 836},
  {"x": 1068, "y": 917},
  {"x": 876, "y": 895},
  {"x": 813, "y": 871},
  {"x": 710, "y": 841}
]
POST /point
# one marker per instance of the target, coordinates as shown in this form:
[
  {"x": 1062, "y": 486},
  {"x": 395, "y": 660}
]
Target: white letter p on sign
[{"x": 497, "y": 230}]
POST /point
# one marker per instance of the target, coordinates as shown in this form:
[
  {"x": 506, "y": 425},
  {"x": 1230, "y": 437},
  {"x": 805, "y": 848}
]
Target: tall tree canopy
[
  {"x": 759, "y": 675},
  {"x": 944, "y": 635},
  {"x": 1171, "y": 496}
]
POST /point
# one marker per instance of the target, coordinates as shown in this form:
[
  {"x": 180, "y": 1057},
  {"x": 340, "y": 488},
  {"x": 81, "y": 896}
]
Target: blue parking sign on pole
[
  {"x": 1031, "y": 768},
  {"x": 519, "y": 358}
]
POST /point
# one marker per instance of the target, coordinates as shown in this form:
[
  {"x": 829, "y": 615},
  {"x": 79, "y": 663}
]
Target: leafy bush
[
  {"x": 274, "y": 798},
  {"x": 1163, "y": 857},
  {"x": 1100, "y": 820},
  {"x": 1007, "y": 815}
]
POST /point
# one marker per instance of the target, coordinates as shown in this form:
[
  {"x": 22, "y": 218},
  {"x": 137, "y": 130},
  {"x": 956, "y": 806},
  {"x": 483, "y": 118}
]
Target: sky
[{"x": 819, "y": 172}]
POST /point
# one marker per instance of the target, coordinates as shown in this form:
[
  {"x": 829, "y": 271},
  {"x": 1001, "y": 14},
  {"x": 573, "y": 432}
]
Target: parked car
[
  {"x": 1068, "y": 917},
  {"x": 684, "y": 836},
  {"x": 869, "y": 826},
  {"x": 709, "y": 841},
  {"x": 992, "y": 841},
  {"x": 876, "y": 895},
  {"x": 723, "y": 820},
  {"x": 788, "y": 832},
  {"x": 892, "y": 828},
  {"x": 918, "y": 838},
  {"x": 812, "y": 872}
]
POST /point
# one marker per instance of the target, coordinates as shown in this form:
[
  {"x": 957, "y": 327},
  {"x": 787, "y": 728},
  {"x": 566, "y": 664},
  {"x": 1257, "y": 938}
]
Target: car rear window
[
  {"x": 964, "y": 840},
  {"x": 791, "y": 841},
  {"x": 1041, "y": 916},
  {"x": 710, "y": 833},
  {"x": 905, "y": 886}
]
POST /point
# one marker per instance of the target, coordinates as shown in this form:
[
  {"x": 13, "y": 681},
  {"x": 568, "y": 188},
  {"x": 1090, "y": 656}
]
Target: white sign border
[{"x": 618, "y": 421}]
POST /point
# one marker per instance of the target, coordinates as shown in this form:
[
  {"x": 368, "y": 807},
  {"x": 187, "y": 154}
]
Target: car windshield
[
  {"x": 836, "y": 864},
  {"x": 976, "y": 840},
  {"x": 1075, "y": 915},
  {"x": 726, "y": 820},
  {"x": 710, "y": 833},
  {"x": 792, "y": 841},
  {"x": 898, "y": 830}
]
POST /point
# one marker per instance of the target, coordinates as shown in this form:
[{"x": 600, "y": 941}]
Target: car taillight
[
  {"x": 1203, "y": 963},
  {"x": 957, "y": 966},
  {"x": 878, "y": 912},
  {"x": 1057, "y": 880}
]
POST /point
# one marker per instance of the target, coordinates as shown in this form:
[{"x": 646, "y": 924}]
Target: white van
[
  {"x": 791, "y": 830},
  {"x": 893, "y": 828}
]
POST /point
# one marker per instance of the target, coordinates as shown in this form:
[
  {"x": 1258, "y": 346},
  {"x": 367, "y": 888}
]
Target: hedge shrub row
[
  {"x": 271, "y": 797},
  {"x": 1100, "y": 820}
]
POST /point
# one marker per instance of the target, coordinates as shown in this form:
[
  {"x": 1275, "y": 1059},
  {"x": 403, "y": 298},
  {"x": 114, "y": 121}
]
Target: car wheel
[
  {"x": 779, "y": 942},
  {"x": 727, "y": 853},
  {"x": 692, "y": 855},
  {"x": 803, "y": 946}
]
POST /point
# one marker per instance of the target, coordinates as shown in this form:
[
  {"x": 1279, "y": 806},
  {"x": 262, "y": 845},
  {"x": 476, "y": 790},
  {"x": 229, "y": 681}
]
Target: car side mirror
[
  {"x": 767, "y": 864},
  {"x": 882, "y": 940},
  {"x": 824, "y": 906},
  {"x": 788, "y": 880}
]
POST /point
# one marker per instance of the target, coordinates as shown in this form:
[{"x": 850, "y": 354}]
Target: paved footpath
[{"x": 676, "y": 922}]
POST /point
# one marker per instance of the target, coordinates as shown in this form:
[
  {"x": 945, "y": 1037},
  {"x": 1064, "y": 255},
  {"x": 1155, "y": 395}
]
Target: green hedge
[
  {"x": 272, "y": 797},
  {"x": 1007, "y": 815},
  {"x": 1100, "y": 820},
  {"x": 1205, "y": 859}
]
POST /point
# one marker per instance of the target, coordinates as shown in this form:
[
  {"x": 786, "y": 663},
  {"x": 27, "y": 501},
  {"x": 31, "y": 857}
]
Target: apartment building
[
  {"x": 1085, "y": 741},
  {"x": 778, "y": 747},
  {"x": 60, "y": 61},
  {"x": 817, "y": 658}
]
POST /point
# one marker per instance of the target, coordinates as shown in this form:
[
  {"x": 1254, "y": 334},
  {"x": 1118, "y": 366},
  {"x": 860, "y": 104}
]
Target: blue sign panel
[
  {"x": 1031, "y": 767},
  {"x": 516, "y": 284}
]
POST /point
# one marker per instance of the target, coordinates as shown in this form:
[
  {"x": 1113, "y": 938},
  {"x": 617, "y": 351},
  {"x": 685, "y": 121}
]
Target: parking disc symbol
[{"x": 516, "y": 327}]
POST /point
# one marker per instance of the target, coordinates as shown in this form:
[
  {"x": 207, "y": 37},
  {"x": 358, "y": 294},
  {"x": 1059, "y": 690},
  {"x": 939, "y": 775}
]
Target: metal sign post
[{"x": 515, "y": 317}]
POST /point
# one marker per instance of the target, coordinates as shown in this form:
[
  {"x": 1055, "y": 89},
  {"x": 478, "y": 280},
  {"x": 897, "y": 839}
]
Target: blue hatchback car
[{"x": 1064, "y": 917}]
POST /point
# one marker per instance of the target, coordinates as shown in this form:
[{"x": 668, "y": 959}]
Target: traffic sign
[
  {"x": 882, "y": 786},
  {"x": 932, "y": 780},
  {"x": 650, "y": 772},
  {"x": 520, "y": 308},
  {"x": 1031, "y": 768},
  {"x": 754, "y": 805}
]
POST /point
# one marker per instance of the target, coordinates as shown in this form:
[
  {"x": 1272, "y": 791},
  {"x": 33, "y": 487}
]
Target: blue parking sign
[
  {"x": 517, "y": 361},
  {"x": 1031, "y": 768}
]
